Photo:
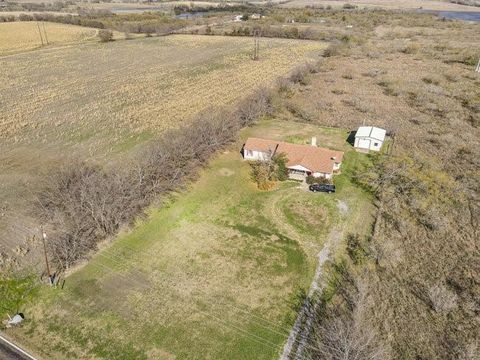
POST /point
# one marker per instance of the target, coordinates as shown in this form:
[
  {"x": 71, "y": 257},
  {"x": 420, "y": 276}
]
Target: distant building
[
  {"x": 256, "y": 16},
  {"x": 369, "y": 138},
  {"x": 303, "y": 160}
]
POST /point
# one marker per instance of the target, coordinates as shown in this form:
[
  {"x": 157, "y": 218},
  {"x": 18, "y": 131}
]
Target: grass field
[
  {"x": 24, "y": 35},
  {"x": 216, "y": 273},
  {"x": 101, "y": 100}
]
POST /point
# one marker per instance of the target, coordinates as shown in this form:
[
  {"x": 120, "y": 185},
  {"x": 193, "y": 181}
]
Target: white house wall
[
  {"x": 368, "y": 143},
  {"x": 256, "y": 155},
  {"x": 325, "y": 175}
]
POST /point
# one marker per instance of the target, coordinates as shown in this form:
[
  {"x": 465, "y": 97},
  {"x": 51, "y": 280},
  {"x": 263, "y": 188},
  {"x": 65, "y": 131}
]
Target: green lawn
[{"x": 217, "y": 272}]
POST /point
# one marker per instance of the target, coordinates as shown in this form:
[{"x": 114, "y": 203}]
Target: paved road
[{"x": 8, "y": 352}]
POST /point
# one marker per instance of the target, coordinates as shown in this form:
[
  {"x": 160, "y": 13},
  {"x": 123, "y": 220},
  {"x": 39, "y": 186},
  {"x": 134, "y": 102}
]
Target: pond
[
  {"x": 192, "y": 15},
  {"x": 457, "y": 15}
]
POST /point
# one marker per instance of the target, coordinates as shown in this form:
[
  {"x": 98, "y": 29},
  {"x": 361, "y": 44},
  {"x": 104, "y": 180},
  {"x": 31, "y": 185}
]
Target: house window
[{"x": 375, "y": 144}]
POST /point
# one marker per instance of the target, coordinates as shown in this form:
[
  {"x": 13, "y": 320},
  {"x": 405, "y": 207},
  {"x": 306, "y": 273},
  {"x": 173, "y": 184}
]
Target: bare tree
[{"x": 342, "y": 339}]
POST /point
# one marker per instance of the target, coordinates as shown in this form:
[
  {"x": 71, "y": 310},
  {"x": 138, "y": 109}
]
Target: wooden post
[{"x": 44, "y": 237}]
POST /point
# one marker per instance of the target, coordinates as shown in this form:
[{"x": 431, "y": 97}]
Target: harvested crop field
[
  {"x": 100, "y": 100},
  {"x": 133, "y": 86},
  {"x": 25, "y": 35}
]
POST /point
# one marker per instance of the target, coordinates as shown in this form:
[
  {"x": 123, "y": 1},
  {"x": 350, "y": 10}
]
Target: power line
[
  {"x": 45, "y": 32},
  {"x": 216, "y": 319},
  {"x": 40, "y": 33}
]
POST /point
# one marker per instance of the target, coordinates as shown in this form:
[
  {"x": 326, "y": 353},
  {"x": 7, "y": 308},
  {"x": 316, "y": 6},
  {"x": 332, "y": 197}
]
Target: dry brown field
[
  {"x": 25, "y": 35},
  {"x": 385, "y": 4}
]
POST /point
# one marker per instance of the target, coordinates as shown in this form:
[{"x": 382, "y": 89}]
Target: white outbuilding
[{"x": 369, "y": 138}]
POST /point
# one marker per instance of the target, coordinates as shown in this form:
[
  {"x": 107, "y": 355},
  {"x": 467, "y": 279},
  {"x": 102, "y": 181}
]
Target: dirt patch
[
  {"x": 226, "y": 172},
  {"x": 342, "y": 207}
]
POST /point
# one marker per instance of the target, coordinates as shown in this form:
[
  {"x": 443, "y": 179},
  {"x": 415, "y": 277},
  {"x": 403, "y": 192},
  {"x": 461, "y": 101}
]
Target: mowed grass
[
  {"x": 101, "y": 101},
  {"x": 216, "y": 273},
  {"x": 25, "y": 35}
]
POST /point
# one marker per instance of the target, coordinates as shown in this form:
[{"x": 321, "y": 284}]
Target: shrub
[
  {"x": 263, "y": 174},
  {"x": 105, "y": 35},
  {"x": 25, "y": 17},
  {"x": 300, "y": 76},
  {"x": 317, "y": 180},
  {"x": 281, "y": 170},
  {"x": 411, "y": 48},
  {"x": 355, "y": 249},
  {"x": 298, "y": 111},
  {"x": 334, "y": 49},
  {"x": 284, "y": 85}
]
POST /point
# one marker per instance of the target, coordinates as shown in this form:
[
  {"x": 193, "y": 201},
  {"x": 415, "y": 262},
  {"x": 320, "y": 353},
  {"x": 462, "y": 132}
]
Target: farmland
[
  {"x": 226, "y": 277},
  {"x": 23, "y": 36},
  {"x": 99, "y": 101}
]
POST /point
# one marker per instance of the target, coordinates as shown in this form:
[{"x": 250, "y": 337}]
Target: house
[
  {"x": 256, "y": 16},
  {"x": 369, "y": 138},
  {"x": 303, "y": 160}
]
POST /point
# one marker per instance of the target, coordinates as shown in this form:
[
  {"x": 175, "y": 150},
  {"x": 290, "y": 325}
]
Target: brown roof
[{"x": 316, "y": 159}]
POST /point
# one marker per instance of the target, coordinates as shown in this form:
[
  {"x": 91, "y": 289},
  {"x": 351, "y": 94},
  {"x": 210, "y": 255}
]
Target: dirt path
[
  {"x": 297, "y": 340},
  {"x": 295, "y": 345}
]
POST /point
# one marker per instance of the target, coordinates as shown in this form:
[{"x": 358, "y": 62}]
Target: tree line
[{"x": 84, "y": 203}]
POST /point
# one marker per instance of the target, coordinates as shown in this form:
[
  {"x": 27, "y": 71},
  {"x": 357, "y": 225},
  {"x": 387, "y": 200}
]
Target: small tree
[
  {"x": 281, "y": 171},
  {"x": 265, "y": 173},
  {"x": 105, "y": 35},
  {"x": 262, "y": 174}
]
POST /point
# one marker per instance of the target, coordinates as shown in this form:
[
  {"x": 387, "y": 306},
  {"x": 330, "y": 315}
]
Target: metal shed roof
[{"x": 371, "y": 132}]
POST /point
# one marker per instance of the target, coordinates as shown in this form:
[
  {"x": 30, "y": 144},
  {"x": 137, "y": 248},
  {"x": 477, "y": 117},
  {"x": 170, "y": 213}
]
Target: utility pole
[
  {"x": 44, "y": 237},
  {"x": 40, "y": 33},
  {"x": 45, "y": 32},
  {"x": 256, "y": 43}
]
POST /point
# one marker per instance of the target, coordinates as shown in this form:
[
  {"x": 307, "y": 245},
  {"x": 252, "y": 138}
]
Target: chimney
[{"x": 314, "y": 141}]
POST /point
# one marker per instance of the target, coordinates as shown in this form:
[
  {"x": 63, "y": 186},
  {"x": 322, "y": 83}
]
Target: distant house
[
  {"x": 256, "y": 16},
  {"x": 303, "y": 160},
  {"x": 369, "y": 138}
]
